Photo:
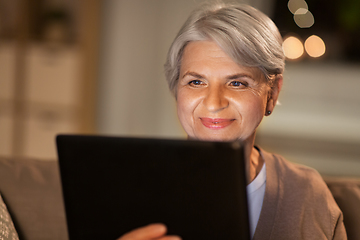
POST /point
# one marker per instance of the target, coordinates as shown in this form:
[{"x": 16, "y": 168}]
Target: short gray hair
[{"x": 247, "y": 35}]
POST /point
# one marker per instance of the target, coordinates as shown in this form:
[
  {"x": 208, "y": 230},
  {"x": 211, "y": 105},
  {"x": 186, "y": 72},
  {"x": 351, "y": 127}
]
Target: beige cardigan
[{"x": 297, "y": 204}]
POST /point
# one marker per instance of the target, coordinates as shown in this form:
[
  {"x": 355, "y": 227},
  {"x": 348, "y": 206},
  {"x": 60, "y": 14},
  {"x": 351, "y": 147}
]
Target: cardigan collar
[{"x": 271, "y": 199}]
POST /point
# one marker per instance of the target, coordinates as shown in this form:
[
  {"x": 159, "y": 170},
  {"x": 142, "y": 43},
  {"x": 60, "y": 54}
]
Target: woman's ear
[{"x": 274, "y": 94}]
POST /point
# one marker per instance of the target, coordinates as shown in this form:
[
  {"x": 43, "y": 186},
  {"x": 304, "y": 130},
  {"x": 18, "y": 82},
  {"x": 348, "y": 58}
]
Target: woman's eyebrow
[
  {"x": 239, "y": 75},
  {"x": 193, "y": 74},
  {"x": 230, "y": 77}
]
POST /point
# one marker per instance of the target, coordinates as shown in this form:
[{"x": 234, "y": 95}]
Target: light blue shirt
[{"x": 255, "y": 194}]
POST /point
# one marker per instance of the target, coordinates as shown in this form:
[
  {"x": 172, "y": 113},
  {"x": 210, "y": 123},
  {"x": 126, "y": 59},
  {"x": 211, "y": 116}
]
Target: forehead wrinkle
[
  {"x": 213, "y": 57},
  {"x": 194, "y": 74},
  {"x": 238, "y": 75}
]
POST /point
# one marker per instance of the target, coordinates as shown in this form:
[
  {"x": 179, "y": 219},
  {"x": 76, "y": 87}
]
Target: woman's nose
[{"x": 215, "y": 99}]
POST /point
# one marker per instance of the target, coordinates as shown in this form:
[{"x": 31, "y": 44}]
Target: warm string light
[
  {"x": 315, "y": 46},
  {"x": 302, "y": 16},
  {"x": 293, "y": 47},
  {"x": 294, "y": 5}
]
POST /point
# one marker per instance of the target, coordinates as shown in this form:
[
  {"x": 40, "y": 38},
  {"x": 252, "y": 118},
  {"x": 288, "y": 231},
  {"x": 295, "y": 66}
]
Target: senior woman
[{"x": 225, "y": 70}]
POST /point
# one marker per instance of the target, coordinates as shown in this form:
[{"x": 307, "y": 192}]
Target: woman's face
[{"x": 217, "y": 99}]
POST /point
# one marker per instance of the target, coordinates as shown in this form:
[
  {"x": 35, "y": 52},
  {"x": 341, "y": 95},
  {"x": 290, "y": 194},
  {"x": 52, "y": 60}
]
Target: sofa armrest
[{"x": 346, "y": 192}]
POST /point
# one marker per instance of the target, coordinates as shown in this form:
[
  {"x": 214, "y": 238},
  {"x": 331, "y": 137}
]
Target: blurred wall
[
  {"x": 41, "y": 76},
  {"x": 318, "y": 121}
]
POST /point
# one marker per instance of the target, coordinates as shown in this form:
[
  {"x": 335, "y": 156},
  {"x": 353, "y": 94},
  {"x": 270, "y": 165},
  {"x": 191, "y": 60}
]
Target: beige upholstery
[
  {"x": 31, "y": 190},
  {"x": 346, "y": 192}
]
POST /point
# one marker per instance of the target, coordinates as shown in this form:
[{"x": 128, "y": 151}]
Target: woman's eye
[
  {"x": 196, "y": 83},
  {"x": 237, "y": 84}
]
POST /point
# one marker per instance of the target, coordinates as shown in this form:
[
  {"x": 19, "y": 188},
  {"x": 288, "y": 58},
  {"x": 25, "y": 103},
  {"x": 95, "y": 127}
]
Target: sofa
[
  {"x": 31, "y": 190},
  {"x": 346, "y": 192}
]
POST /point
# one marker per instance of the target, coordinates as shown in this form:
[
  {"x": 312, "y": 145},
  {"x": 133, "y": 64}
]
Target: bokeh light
[
  {"x": 315, "y": 46},
  {"x": 293, "y": 48},
  {"x": 294, "y": 5},
  {"x": 304, "y": 18}
]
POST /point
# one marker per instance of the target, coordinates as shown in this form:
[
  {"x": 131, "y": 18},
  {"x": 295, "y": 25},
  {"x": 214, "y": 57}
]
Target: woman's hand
[{"x": 151, "y": 232}]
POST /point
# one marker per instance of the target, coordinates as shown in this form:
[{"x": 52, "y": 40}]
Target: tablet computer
[{"x": 112, "y": 185}]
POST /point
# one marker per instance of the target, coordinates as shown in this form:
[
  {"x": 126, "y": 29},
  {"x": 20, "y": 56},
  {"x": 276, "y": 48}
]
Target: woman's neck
[{"x": 253, "y": 159}]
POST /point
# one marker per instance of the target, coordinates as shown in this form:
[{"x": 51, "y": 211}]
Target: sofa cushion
[{"x": 31, "y": 190}]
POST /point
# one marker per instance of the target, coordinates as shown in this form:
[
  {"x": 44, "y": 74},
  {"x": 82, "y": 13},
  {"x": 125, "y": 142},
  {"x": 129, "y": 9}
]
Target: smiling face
[{"x": 217, "y": 99}]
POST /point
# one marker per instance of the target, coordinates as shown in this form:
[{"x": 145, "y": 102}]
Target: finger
[{"x": 151, "y": 231}]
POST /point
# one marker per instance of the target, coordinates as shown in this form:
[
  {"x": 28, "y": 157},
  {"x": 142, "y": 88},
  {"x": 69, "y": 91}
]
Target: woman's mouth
[{"x": 216, "y": 123}]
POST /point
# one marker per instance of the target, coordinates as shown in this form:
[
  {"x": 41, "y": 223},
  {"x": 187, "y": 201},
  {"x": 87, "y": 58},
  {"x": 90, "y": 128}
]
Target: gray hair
[{"x": 247, "y": 35}]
